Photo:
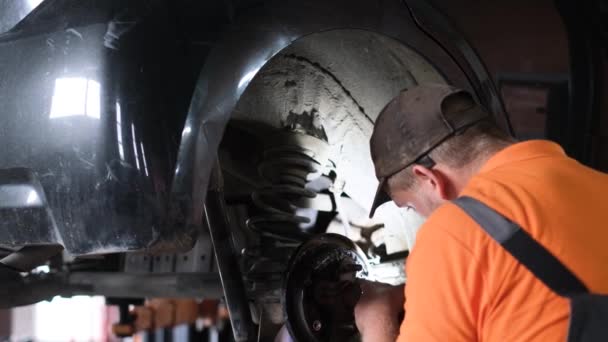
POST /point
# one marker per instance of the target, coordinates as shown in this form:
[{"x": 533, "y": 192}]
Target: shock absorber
[{"x": 290, "y": 164}]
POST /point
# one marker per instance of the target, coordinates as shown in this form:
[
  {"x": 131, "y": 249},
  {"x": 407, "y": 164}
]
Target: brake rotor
[{"x": 321, "y": 289}]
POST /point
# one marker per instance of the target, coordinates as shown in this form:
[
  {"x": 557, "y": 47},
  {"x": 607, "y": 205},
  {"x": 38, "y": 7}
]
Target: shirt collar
[{"x": 522, "y": 151}]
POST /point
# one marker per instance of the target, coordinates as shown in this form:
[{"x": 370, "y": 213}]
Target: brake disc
[{"x": 321, "y": 289}]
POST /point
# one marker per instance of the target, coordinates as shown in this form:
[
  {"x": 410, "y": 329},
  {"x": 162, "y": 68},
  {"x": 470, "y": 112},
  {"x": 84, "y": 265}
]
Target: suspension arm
[{"x": 230, "y": 273}]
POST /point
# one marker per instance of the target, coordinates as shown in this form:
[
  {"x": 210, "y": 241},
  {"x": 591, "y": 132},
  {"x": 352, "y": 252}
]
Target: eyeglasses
[{"x": 425, "y": 161}]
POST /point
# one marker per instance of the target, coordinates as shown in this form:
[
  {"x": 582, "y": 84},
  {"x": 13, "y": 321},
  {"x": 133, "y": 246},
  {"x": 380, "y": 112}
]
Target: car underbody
[{"x": 219, "y": 149}]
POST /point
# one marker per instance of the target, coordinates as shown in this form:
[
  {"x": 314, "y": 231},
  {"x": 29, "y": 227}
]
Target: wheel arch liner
[{"x": 265, "y": 32}]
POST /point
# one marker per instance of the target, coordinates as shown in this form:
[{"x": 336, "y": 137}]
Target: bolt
[{"x": 316, "y": 325}]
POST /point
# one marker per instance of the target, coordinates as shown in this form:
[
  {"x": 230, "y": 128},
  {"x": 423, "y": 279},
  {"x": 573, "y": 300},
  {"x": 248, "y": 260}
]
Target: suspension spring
[{"x": 287, "y": 168}]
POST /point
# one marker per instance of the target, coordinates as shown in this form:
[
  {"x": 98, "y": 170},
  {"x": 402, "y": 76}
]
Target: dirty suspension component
[
  {"x": 294, "y": 161},
  {"x": 322, "y": 289}
]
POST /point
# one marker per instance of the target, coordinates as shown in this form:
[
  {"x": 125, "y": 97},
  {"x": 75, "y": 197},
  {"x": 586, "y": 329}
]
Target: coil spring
[{"x": 288, "y": 169}]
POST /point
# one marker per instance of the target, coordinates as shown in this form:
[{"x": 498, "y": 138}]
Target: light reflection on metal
[
  {"x": 186, "y": 131},
  {"x": 33, "y": 3},
  {"x": 19, "y": 196},
  {"x": 248, "y": 77},
  {"x": 93, "y": 99},
  {"x": 143, "y": 157},
  {"x": 32, "y": 198},
  {"x": 42, "y": 269},
  {"x": 135, "y": 147},
  {"x": 121, "y": 150},
  {"x": 76, "y": 96}
]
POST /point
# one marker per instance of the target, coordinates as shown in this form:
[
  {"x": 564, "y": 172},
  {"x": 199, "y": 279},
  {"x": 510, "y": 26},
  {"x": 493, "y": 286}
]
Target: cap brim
[{"x": 380, "y": 198}]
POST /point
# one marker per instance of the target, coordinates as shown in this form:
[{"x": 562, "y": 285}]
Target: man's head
[{"x": 427, "y": 143}]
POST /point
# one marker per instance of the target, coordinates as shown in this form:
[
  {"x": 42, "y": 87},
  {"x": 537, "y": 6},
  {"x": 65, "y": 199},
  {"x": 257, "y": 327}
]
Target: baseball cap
[{"x": 411, "y": 125}]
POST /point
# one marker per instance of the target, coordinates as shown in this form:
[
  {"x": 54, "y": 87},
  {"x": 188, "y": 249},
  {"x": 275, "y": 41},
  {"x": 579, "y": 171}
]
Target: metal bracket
[{"x": 227, "y": 263}]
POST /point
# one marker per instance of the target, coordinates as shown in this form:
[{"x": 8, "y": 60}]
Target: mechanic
[{"x": 433, "y": 144}]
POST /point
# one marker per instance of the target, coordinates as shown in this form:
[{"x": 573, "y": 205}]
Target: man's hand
[{"x": 377, "y": 312}]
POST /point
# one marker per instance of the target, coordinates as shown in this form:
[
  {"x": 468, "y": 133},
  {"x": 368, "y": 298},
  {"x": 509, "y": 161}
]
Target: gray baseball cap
[{"x": 411, "y": 125}]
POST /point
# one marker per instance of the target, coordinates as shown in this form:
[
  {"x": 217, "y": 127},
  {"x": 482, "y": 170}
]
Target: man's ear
[{"x": 434, "y": 179}]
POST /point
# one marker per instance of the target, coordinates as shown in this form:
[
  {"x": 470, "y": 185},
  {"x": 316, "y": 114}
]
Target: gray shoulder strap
[
  {"x": 536, "y": 258},
  {"x": 497, "y": 226}
]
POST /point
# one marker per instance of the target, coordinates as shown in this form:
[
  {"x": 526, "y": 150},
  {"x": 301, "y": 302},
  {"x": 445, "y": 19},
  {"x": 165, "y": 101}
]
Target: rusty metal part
[
  {"x": 164, "y": 313},
  {"x": 186, "y": 311},
  {"x": 123, "y": 330},
  {"x": 144, "y": 318}
]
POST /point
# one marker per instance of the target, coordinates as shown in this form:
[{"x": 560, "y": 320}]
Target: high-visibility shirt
[{"x": 463, "y": 286}]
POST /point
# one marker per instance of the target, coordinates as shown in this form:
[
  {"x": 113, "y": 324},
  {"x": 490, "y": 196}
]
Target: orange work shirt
[{"x": 463, "y": 286}]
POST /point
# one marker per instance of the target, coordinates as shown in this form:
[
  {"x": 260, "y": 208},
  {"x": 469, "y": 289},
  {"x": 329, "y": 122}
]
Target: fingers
[
  {"x": 373, "y": 293},
  {"x": 377, "y": 312}
]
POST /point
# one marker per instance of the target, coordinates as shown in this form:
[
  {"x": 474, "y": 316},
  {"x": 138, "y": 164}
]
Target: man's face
[{"x": 419, "y": 197}]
